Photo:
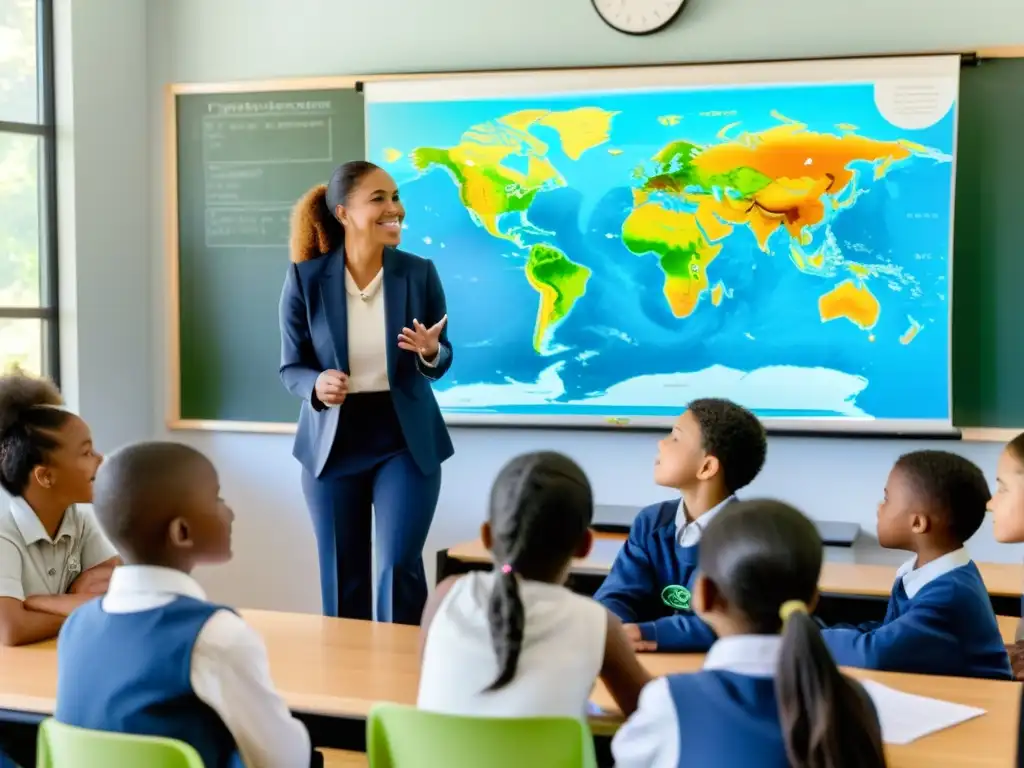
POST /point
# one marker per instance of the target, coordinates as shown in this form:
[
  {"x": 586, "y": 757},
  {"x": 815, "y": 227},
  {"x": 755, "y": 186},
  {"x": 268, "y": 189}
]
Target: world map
[{"x": 615, "y": 255}]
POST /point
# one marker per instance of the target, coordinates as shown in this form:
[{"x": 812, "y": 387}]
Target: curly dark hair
[
  {"x": 734, "y": 436},
  {"x": 315, "y": 231},
  {"x": 30, "y": 413},
  {"x": 952, "y": 485}
]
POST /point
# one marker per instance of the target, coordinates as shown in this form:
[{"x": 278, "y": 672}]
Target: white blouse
[
  {"x": 562, "y": 653},
  {"x": 367, "y": 336}
]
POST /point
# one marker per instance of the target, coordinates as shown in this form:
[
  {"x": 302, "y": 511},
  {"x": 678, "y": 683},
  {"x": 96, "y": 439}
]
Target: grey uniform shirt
[{"x": 31, "y": 563}]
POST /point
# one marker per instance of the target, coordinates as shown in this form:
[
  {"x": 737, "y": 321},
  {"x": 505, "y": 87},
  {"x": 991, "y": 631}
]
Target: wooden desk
[
  {"x": 1008, "y": 628},
  {"x": 337, "y": 667},
  {"x": 985, "y": 742},
  {"x": 1004, "y": 581},
  {"x": 331, "y": 667},
  {"x": 340, "y": 669},
  {"x": 342, "y": 758}
]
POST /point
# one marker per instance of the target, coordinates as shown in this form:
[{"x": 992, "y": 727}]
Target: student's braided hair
[
  {"x": 30, "y": 413},
  {"x": 540, "y": 510}
]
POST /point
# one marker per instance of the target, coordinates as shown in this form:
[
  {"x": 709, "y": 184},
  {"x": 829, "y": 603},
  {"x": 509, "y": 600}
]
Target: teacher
[{"x": 362, "y": 336}]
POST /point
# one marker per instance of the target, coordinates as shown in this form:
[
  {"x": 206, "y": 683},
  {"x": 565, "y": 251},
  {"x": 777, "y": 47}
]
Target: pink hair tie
[{"x": 506, "y": 569}]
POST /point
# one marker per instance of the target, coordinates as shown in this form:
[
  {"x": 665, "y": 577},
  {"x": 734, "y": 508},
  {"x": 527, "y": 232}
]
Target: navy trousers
[{"x": 403, "y": 501}]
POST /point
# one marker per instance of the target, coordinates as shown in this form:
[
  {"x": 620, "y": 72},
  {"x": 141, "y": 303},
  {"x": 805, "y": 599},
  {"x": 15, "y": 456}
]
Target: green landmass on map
[{"x": 687, "y": 199}]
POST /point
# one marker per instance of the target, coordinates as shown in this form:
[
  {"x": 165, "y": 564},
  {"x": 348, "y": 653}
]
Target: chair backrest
[
  {"x": 405, "y": 737},
  {"x": 65, "y": 746}
]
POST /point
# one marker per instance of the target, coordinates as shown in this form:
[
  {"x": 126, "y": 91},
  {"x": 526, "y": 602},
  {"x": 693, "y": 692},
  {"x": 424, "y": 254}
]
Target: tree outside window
[{"x": 28, "y": 290}]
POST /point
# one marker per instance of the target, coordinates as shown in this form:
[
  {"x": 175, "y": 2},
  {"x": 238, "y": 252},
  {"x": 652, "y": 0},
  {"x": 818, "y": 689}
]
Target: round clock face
[{"x": 638, "y": 17}]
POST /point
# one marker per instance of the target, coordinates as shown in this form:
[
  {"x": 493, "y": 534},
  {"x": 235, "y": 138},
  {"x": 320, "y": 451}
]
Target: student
[
  {"x": 715, "y": 449},
  {"x": 761, "y": 699},
  {"x": 1007, "y": 507},
  {"x": 153, "y": 657},
  {"x": 940, "y": 619},
  {"x": 53, "y": 556},
  {"x": 514, "y": 642}
]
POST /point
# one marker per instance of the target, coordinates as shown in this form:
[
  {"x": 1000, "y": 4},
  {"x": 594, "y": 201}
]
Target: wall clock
[{"x": 638, "y": 17}]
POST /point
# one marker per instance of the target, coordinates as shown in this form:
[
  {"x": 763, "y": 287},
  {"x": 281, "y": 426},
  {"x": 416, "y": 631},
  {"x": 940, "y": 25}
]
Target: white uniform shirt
[
  {"x": 31, "y": 563},
  {"x": 688, "y": 532},
  {"x": 650, "y": 738},
  {"x": 230, "y": 671},
  {"x": 562, "y": 653},
  {"x": 914, "y": 580}
]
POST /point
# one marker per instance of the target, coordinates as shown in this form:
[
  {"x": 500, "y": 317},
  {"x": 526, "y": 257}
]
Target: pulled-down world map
[{"x": 616, "y": 255}]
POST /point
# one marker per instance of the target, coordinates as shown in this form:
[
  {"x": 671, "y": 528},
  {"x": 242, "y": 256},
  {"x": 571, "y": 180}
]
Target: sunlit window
[{"x": 28, "y": 256}]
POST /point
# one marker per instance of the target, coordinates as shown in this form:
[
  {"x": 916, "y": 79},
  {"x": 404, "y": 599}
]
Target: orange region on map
[
  {"x": 850, "y": 300},
  {"x": 803, "y": 166}
]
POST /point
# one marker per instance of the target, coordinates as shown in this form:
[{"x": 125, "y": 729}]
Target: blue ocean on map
[{"x": 616, "y": 255}]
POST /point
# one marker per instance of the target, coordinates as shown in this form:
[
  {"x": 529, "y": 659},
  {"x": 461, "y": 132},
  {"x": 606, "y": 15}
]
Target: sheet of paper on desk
[{"x": 906, "y": 717}]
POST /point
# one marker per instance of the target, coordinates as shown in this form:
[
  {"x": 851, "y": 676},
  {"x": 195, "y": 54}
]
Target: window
[{"x": 28, "y": 256}]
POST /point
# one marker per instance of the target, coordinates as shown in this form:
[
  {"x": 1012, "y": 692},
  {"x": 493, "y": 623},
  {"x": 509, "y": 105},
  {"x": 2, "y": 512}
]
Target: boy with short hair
[
  {"x": 153, "y": 657},
  {"x": 715, "y": 449},
  {"x": 940, "y": 619}
]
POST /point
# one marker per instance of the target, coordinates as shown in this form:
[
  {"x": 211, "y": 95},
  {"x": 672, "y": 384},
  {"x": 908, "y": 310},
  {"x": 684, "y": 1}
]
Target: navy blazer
[{"x": 314, "y": 338}]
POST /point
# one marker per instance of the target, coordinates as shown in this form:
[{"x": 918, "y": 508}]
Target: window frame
[{"x": 45, "y": 130}]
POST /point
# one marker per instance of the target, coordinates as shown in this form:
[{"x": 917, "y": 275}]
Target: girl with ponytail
[
  {"x": 515, "y": 642},
  {"x": 769, "y": 694}
]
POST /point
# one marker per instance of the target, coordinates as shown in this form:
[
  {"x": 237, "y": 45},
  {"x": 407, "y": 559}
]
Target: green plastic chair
[
  {"x": 406, "y": 737},
  {"x": 65, "y": 746}
]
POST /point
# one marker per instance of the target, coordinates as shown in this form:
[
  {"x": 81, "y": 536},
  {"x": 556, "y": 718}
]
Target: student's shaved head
[{"x": 139, "y": 490}]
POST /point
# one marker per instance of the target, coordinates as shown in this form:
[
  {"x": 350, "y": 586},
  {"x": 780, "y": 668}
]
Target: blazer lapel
[
  {"x": 395, "y": 294},
  {"x": 335, "y": 303}
]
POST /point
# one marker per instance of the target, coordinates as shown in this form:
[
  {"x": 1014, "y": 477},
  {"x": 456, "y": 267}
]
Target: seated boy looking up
[
  {"x": 155, "y": 658},
  {"x": 715, "y": 449},
  {"x": 940, "y": 619}
]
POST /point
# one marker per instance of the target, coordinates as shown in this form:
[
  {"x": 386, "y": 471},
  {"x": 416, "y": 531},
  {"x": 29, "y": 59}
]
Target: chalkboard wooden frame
[{"x": 174, "y": 420}]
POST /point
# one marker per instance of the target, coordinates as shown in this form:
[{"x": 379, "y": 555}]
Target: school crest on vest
[{"x": 676, "y": 597}]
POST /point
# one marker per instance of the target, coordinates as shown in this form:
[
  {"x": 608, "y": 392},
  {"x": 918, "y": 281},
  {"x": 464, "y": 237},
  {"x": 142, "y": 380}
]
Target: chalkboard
[
  {"x": 242, "y": 160},
  {"x": 988, "y": 257}
]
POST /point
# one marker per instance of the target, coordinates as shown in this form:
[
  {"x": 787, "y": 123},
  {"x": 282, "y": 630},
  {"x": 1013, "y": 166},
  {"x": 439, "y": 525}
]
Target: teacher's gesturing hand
[
  {"x": 422, "y": 340},
  {"x": 331, "y": 387}
]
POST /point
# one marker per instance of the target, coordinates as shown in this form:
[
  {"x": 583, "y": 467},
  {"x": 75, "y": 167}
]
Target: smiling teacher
[{"x": 362, "y": 335}]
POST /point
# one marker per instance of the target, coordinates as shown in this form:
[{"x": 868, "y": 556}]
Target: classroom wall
[
  {"x": 199, "y": 40},
  {"x": 103, "y": 238}
]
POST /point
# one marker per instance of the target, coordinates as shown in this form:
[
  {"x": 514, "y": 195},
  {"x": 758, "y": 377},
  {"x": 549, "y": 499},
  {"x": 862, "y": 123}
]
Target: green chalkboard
[
  {"x": 243, "y": 160},
  {"x": 988, "y": 254}
]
